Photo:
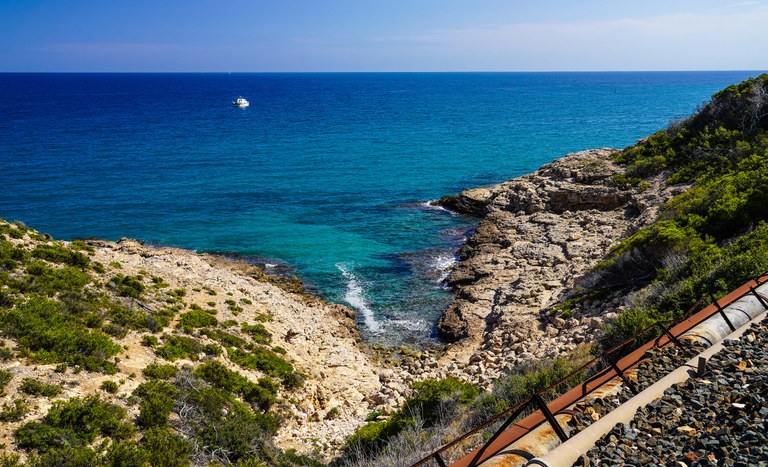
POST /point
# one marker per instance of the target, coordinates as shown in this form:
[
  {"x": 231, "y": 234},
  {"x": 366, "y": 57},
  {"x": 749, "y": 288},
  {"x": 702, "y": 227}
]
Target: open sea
[{"x": 326, "y": 176}]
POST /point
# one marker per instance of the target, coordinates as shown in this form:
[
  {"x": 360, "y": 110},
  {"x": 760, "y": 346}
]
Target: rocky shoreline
[{"x": 537, "y": 236}]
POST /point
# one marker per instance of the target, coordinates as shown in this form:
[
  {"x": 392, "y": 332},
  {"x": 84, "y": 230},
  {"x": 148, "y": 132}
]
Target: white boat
[{"x": 240, "y": 102}]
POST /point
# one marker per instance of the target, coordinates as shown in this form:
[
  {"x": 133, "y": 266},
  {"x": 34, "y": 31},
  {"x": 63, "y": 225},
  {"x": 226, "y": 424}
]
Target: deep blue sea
[{"x": 324, "y": 175}]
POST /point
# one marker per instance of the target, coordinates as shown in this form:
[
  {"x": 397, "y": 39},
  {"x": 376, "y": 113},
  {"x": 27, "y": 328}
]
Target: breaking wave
[{"x": 355, "y": 296}]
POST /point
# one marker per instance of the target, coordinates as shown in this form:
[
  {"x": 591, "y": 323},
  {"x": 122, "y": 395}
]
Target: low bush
[
  {"x": 35, "y": 387},
  {"x": 127, "y": 286},
  {"x": 166, "y": 448},
  {"x": 196, "y": 319},
  {"x": 148, "y": 340},
  {"x": 226, "y": 430},
  {"x": 57, "y": 253},
  {"x": 160, "y": 371},
  {"x": 431, "y": 399},
  {"x": 75, "y": 422},
  {"x": 157, "y": 401},
  {"x": 13, "y": 412},
  {"x": 110, "y": 387},
  {"x": 176, "y": 347},
  {"x": 5, "y": 378},
  {"x": 48, "y": 336},
  {"x": 262, "y": 359},
  {"x": 258, "y": 333},
  {"x": 225, "y": 338},
  {"x": 261, "y": 395}
]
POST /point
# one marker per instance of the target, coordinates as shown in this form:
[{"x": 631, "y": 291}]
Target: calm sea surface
[{"x": 327, "y": 175}]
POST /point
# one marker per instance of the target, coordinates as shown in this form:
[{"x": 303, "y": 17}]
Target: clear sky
[{"x": 382, "y": 35}]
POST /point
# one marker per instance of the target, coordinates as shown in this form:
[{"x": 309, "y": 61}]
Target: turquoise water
[{"x": 324, "y": 175}]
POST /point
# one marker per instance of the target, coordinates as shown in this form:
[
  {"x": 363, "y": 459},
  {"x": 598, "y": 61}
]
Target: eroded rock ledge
[{"x": 538, "y": 233}]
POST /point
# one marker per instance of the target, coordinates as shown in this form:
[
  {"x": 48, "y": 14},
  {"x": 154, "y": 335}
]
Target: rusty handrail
[{"x": 512, "y": 413}]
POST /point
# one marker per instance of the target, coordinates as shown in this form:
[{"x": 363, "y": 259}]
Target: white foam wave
[
  {"x": 443, "y": 263},
  {"x": 411, "y": 324},
  {"x": 355, "y": 296},
  {"x": 434, "y": 207}
]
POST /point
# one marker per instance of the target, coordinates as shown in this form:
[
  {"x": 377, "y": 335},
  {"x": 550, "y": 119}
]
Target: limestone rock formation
[{"x": 538, "y": 233}]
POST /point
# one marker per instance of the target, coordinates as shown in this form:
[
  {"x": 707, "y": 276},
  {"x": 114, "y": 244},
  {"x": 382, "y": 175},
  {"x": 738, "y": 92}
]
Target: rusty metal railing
[{"x": 542, "y": 412}]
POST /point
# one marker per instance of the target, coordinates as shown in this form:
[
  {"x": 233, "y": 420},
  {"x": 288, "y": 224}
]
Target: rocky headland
[{"x": 537, "y": 235}]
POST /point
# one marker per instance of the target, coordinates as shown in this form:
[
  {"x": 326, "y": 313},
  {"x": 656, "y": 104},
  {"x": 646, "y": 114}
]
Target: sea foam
[{"x": 355, "y": 296}]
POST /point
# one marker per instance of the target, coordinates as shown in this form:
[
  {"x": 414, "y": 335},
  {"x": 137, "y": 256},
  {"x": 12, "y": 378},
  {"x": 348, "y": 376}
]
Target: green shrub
[
  {"x": 49, "y": 281},
  {"x": 176, "y": 347},
  {"x": 5, "y": 299},
  {"x": 76, "y": 422},
  {"x": 225, "y": 338},
  {"x": 10, "y": 459},
  {"x": 35, "y": 387},
  {"x": 148, "y": 340},
  {"x": 5, "y": 353},
  {"x": 5, "y": 378},
  {"x": 261, "y": 395},
  {"x": 57, "y": 253},
  {"x": 48, "y": 336},
  {"x": 262, "y": 359},
  {"x": 160, "y": 371},
  {"x": 228, "y": 426},
  {"x": 166, "y": 448},
  {"x": 258, "y": 333},
  {"x": 526, "y": 381},
  {"x": 123, "y": 316},
  {"x": 109, "y": 386},
  {"x": 428, "y": 402},
  {"x": 212, "y": 350},
  {"x": 127, "y": 286},
  {"x": 13, "y": 412},
  {"x": 67, "y": 456},
  {"x": 196, "y": 318},
  {"x": 159, "y": 282},
  {"x": 157, "y": 401},
  {"x": 126, "y": 454}
]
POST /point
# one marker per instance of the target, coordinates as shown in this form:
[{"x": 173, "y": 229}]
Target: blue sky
[{"x": 392, "y": 35}]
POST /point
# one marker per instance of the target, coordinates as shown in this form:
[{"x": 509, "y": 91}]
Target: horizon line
[{"x": 385, "y": 72}]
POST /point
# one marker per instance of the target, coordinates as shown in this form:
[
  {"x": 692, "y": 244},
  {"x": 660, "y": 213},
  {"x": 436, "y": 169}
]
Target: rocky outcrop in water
[{"x": 537, "y": 235}]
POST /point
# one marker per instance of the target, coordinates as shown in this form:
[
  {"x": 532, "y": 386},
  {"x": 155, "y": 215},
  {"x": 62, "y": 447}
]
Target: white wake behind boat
[{"x": 240, "y": 102}]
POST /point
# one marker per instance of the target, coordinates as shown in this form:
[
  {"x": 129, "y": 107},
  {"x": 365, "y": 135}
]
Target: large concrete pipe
[{"x": 740, "y": 315}]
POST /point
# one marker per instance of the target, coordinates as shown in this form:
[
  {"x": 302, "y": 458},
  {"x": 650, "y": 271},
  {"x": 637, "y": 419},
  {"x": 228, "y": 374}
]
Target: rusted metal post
[
  {"x": 498, "y": 433},
  {"x": 722, "y": 313},
  {"x": 439, "y": 460},
  {"x": 669, "y": 334},
  {"x": 623, "y": 377},
  {"x": 550, "y": 418},
  {"x": 701, "y": 366}
]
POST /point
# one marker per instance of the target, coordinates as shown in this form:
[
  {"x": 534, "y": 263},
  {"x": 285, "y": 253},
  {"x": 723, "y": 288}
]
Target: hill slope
[{"x": 195, "y": 351}]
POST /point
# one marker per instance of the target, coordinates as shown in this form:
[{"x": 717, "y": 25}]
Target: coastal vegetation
[
  {"x": 709, "y": 239},
  {"x": 439, "y": 411},
  {"x": 174, "y": 374},
  {"x": 65, "y": 314},
  {"x": 706, "y": 241}
]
